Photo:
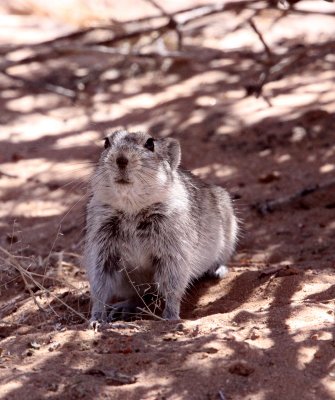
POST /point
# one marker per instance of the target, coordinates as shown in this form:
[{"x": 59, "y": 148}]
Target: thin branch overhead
[{"x": 141, "y": 39}]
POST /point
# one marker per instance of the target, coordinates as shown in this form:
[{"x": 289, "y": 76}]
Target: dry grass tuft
[{"x": 29, "y": 278}]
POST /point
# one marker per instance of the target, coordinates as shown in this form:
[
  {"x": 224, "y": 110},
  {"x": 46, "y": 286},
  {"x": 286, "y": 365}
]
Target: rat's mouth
[{"x": 123, "y": 181}]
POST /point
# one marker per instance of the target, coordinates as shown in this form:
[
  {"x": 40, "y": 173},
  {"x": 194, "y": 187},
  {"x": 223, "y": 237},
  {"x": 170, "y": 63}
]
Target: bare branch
[
  {"x": 123, "y": 52},
  {"x": 261, "y": 38},
  {"x": 60, "y": 90}
]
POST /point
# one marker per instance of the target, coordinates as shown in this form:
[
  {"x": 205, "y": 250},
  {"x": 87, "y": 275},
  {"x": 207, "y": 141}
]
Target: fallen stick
[{"x": 270, "y": 206}]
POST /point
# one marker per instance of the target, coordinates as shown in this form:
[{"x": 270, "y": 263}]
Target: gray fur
[{"x": 152, "y": 224}]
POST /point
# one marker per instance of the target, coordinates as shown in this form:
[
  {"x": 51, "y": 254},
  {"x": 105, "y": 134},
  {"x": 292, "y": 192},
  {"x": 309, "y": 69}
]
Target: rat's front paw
[{"x": 96, "y": 320}]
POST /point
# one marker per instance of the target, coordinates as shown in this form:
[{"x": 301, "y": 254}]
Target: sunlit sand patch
[
  {"x": 196, "y": 117},
  {"x": 183, "y": 89},
  {"x": 32, "y": 127},
  {"x": 86, "y": 138},
  {"x": 324, "y": 169},
  {"x": 206, "y": 101},
  {"x": 304, "y": 319},
  {"x": 329, "y": 383},
  {"x": 283, "y": 158},
  {"x": 10, "y": 385},
  {"x": 29, "y": 103},
  {"x": 219, "y": 170},
  {"x": 28, "y": 167},
  {"x": 310, "y": 287},
  {"x": 35, "y": 208},
  {"x": 306, "y": 355}
]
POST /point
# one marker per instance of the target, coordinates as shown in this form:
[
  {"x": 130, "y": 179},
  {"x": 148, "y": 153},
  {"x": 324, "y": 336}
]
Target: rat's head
[{"x": 137, "y": 169}]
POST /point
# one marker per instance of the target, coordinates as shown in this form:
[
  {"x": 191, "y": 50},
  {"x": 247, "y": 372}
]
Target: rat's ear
[
  {"x": 174, "y": 153},
  {"x": 111, "y": 136}
]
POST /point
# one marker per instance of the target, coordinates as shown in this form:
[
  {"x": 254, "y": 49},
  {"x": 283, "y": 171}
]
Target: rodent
[{"x": 151, "y": 222}]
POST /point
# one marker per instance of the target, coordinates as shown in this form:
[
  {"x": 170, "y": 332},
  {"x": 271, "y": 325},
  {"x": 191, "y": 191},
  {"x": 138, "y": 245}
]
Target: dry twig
[
  {"x": 146, "y": 310},
  {"x": 27, "y": 275},
  {"x": 37, "y": 86},
  {"x": 22, "y": 271},
  {"x": 272, "y": 205},
  {"x": 261, "y": 38}
]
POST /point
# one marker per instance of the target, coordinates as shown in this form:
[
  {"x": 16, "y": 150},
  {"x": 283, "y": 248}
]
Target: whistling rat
[{"x": 151, "y": 222}]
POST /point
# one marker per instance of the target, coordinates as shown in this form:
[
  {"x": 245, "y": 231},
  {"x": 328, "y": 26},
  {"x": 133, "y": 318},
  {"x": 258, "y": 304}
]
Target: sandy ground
[{"x": 264, "y": 332}]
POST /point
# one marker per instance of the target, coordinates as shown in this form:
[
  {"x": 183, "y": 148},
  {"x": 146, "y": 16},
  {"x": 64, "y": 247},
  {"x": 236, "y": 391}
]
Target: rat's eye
[
  {"x": 107, "y": 143},
  {"x": 149, "y": 144}
]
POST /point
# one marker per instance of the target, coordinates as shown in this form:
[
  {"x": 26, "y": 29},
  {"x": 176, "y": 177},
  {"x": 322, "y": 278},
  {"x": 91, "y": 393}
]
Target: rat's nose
[{"x": 122, "y": 162}]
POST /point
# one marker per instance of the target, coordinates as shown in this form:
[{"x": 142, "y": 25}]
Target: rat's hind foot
[
  {"x": 218, "y": 272},
  {"x": 221, "y": 272},
  {"x": 124, "y": 310},
  {"x": 95, "y": 324}
]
